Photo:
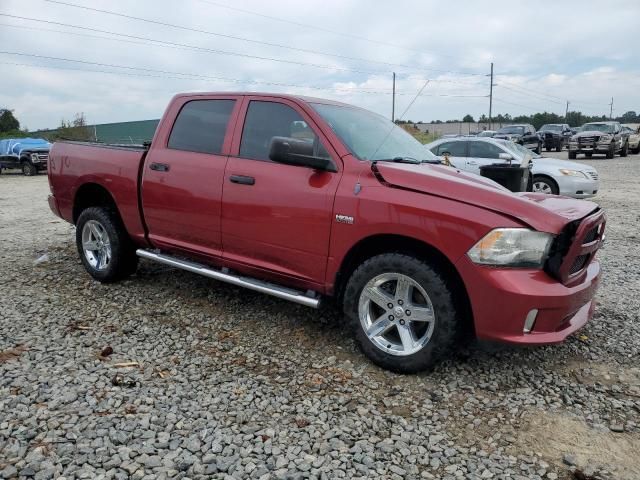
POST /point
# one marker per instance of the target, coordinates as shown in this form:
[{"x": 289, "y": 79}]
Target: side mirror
[
  {"x": 505, "y": 156},
  {"x": 297, "y": 152}
]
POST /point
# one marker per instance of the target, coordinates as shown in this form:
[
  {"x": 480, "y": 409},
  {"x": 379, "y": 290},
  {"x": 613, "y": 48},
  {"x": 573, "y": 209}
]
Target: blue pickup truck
[{"x": 28, "y": 154}]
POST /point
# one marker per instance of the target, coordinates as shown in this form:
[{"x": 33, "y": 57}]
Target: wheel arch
[
  {"x": 92, "y": 195},
  {"x": 390, "y": 243}
]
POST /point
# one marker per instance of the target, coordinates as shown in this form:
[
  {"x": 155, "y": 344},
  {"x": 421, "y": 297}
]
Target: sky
[{"x": 114, "y": 67}]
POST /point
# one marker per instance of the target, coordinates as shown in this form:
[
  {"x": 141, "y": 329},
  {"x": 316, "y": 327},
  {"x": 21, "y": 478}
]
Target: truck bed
[{"x": 76, "y": 165}]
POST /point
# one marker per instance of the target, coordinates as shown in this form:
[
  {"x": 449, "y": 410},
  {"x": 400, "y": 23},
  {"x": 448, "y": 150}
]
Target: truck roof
[{"x": 303, "y": 98}]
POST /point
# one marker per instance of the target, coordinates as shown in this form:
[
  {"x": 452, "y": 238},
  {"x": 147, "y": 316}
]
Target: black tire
[
  {"x": 123, "y": 261},
  {"x": 446, "y": 326},
  {"x": 625, "y": 150},
  {"x": 29, "y": 169},
  {"x": 538, "y": 149},
  {"x": 612, "y": 151},
  {"x": 553, "y": 186},
  {"x": 588, "y": 154},
  {"x": 572, "y": 155},
  {"x": 636, "y": 150},
  {"x": 548, "y": 149},
  {"x": 559, "y": 146}
]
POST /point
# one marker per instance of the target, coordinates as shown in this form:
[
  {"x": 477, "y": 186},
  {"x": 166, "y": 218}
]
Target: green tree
[
  {"x": 468, "y": 119},
  {"x": 8, "y": 122}
]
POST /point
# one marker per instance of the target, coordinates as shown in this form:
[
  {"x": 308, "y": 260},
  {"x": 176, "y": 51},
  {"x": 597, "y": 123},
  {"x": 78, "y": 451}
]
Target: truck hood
[
  {"x": 545, "y": 213},
  {"x": 590, "y": 133}
]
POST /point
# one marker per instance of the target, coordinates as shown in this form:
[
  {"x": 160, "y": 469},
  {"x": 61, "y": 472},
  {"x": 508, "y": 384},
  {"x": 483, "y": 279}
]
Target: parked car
[
  {"x": 550, "y": 175},
  {"x": 28, "y": 154},
  {"x": 309, "y": 199},
  {"x": 633, "y": 129},
  {"x": 487, "y": 133},
  {"x": 555, "y": 136},
  {"x": 599, "y": 137},
  {"x": 524, "y": 135}
]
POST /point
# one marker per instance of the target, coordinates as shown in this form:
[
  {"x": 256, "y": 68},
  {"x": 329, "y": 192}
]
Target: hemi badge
[{"x": 344, "y": 219}]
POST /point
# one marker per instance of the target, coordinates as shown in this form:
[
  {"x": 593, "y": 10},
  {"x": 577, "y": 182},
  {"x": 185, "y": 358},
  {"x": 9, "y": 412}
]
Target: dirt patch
[
  {"x": 12, "y": 353},
  {"x": 553, "y": 435}
]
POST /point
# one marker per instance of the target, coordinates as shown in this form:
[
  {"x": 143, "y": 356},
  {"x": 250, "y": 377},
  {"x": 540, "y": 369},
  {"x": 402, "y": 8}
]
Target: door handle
[
  {"x": 473, "y": 163},
  {"x": 242, "y": 179},
  {"x": 159, "y": 167}
]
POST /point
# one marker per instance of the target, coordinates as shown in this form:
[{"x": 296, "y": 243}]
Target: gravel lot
[{"x": 233, "y": 384}]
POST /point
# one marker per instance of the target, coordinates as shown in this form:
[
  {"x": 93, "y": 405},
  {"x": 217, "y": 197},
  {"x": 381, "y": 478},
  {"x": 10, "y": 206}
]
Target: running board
[{"x": 251, "y": 283}]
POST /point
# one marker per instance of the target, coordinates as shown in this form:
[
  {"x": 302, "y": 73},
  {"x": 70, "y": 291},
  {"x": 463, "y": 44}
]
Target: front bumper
[
  {"x": 501, "y": 299},
  {"x": 578, "y": 187},
  {"x": 589, "y": 148}
]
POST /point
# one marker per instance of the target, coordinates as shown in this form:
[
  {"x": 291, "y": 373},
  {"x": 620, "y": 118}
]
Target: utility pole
[
  {"x": 393, "y": 99},
  {"x": 490, "y": 95},
  {"x": 566, "y": 112},
  {"x": 611, "y": 109}
]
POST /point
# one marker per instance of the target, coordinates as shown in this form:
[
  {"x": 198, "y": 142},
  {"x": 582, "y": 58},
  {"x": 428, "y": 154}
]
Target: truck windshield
[
  {"x": 370, "y": 136},
  {"x": 516, "y": 130},
  {"x": 600, "y": 127}
]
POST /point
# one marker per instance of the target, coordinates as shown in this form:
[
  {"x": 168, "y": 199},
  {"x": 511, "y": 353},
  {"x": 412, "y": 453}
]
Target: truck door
[
  {"x": 183, "y": 175},
  {"x": 275, "y": 217}
]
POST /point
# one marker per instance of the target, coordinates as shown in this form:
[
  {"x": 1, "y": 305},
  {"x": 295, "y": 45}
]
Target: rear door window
[
  {"x": 201, "y": 126},
  {"x": 455, "y": 149},
  {"x": 484, "y": 150}
]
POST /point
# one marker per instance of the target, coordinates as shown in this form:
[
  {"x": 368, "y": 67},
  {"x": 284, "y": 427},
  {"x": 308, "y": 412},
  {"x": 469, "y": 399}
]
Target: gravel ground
[{"x": 233, "y": 384}]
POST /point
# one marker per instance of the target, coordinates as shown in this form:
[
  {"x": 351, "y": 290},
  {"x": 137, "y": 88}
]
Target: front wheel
[
  {"x": 625, "y": 150},
  {"x": 402, "y": 312},
  {"x": 538, "y": 149},
  {"x": 572, "y": 155},
  {"x": 612, "y": 151},
  {"x": 104, "y": 246},
  {"x": 544, "y": 185},
  {"x": 29, "y": 169}
]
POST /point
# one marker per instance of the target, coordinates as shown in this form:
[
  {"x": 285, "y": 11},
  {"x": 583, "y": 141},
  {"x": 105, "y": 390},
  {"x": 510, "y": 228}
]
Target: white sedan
[{"x": 550, "y": 175}]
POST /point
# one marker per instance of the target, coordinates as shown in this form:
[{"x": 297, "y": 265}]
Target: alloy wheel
[{"x": 396, "y": 314}]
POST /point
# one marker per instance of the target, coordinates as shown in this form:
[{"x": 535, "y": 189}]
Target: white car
[{"x": 550, "y": 175}]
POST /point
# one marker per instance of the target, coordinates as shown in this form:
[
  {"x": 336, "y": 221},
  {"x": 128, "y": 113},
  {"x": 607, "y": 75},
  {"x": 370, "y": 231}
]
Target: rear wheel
[
  {"x": 588, "y": 154},
  {"x": 559, "y": 146},
  {"x": 548, "y": 149},
  {"x": 104, "y": 246},
  {"x": 538, "y": 149},
  {"x": 29, "y": 169},
  {"x": 572, "y": 155},
  {"x": 542, "y": 184},
  {"x": 402, "y": 312}
]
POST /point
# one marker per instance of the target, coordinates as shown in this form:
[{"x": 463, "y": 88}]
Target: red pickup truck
[{"x": 308, "y": 199}]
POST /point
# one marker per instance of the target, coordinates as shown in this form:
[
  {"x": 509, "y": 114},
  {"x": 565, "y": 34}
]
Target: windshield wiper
[{"x": 411, "y": 160}]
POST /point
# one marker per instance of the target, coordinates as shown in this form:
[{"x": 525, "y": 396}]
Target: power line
[
  {"x": 165, "y": 43},
  {"x": 165, "y": 74},
  {"x": 530, "y": 95},
  {"x": 316, "y": 27},
  {"x": 249, "y": 40}
]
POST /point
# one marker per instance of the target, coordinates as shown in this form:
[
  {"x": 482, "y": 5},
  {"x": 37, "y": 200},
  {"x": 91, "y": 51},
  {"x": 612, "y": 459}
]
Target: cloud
[{"x": 544, "y": 54}]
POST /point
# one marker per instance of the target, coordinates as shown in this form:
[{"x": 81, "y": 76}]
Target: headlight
[
  {"x": 34, "y": 157},
  {"x": 604, "y": 138},
  {"x": 512, "y": 247},
  {"x": 573, "y": 173}
]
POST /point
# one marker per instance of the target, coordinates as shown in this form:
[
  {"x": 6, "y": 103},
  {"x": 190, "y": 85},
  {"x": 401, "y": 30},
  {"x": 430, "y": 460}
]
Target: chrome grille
[{"x": 587, "y": 139}]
